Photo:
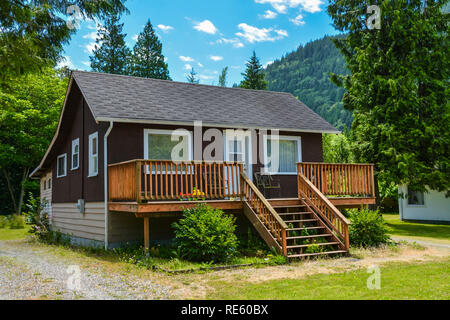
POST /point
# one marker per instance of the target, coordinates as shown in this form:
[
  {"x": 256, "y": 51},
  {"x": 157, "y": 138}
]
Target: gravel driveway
[{"x": 28, "y": 272}]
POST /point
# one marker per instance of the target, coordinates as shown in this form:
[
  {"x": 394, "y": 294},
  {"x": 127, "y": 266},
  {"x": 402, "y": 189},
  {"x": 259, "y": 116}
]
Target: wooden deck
[
  {"x": 160, "y": 208},
  {"x": 150, "y": 188}
]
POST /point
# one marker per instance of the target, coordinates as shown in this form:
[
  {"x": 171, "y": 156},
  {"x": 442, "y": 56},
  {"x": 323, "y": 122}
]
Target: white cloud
[
  {"x": 267, "y": 63},
  {"x": 206, "y": 26},
  {"x": 269, "y": 14},
  {"x": 199, "y": 64},
  {"x": 86, "y": 63},
  {"x": 216, "y": 58},
  {"x": 298, "y": 20},
  {"x": 164, "y": 28},
  {"x": 91, "y": 36},
  {"x": 89, "y": 48},
  {"x": 206, "y": 77},
  {"x": 135, "y": 37},
  {"x": 186, "y": 59},
  {"x": 254, "y": 34},
  {"x": 187, "y": 66},
  {"x": 281, "y": 6},
  {"x": 235, "y": 42},
  {"x": 66, "y": 62}
]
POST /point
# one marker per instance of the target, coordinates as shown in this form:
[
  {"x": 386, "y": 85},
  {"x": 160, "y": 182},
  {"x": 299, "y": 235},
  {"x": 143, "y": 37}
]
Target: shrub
[
  {"x": 205, "y": 234},
  {"x": 367, "y": 228},
  {"x": 16, "y": 222},
  {"x": 4, "y": 222},
  {"x": 39, "y": 221}
]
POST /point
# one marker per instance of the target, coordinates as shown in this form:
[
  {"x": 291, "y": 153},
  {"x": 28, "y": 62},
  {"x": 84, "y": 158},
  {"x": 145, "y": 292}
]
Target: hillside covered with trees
[{"x": 305, "y": 74}]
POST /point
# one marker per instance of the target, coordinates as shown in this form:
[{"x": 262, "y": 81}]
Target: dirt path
[{"x": 28, "y": 272}]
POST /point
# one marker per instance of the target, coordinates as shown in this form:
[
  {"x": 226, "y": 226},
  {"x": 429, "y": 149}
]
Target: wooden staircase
[
  {"x": 307, "y": 235},
  {"x": 307, "y": 227}
]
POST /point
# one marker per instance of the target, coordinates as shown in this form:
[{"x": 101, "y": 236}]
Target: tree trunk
[
  {"x": 11, "y": 191},
  {"x": 377, "y": 193},
  {"x": 22, "y": 189}
]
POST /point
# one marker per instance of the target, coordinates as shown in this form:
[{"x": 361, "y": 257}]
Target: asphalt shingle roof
[{"x": 125, "y": 98}]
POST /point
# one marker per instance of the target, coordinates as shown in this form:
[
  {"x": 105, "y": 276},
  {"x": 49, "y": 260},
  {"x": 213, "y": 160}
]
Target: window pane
[
  {"x": 61, "y": 166},
  {"x": 415, "y": 198},
  {"x": 94, "y": 146},
  {"x": 160, "y": 147},
  {"x": 287, "y": 155}
]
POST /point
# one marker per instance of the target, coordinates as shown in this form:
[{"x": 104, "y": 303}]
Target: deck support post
[{"x": 146, "y": 234}]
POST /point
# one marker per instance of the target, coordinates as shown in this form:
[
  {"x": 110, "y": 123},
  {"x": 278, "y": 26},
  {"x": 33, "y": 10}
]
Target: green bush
[
  {"x": 367, "y": 228},
  {"x": 16, "y": 222},
  {"x": 4, "y": 222},
  {"x": 205, "y": 234}
]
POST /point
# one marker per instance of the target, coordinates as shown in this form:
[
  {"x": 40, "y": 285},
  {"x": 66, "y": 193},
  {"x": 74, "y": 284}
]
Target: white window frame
[
  {"x": 247, "y": 150},
  {"x": 92, "y": 173},
  {"x": 167, "y": 133},
  {"x": 415, "y": 205},
  {"x": 298, "y": 139},
  {"x": 75, "y": 143},
  {"x": 65, "y": 165}
]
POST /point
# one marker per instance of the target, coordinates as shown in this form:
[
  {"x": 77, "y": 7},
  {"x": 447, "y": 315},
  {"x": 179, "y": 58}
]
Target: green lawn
[
  {"x": 420, "y": 231},
  {"x": 426, "y": 280},
  {"x": 13, "y": 234}
]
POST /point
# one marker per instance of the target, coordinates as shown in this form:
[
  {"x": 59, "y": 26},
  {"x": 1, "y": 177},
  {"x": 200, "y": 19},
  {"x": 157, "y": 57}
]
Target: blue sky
[{"x": 211, "y": 34}]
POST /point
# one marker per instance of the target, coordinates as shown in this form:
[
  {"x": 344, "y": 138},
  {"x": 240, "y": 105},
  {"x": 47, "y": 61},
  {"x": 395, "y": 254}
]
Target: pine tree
[
  {"x": 223, "y": 77},
  {"x": 191, "y": 78},
  {"x": 111, "y": 55},
  {"x": 254, "y": 76},
  {"x": 398, "y": 89},
  {"x": 148, "y": 60}
]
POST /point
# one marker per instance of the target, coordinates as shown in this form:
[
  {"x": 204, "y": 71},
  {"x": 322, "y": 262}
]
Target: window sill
[
  {"x": 93, "y": 175},
  {"x": 61, "y": 176}
]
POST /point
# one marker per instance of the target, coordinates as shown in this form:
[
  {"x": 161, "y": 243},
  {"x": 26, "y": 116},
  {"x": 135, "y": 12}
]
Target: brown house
[{"x": 255, "y": 154}]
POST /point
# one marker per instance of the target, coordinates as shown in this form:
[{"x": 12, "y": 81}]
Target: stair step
[
  {"x": 316, "y": 254},
  {"x": 289, "y": 213},
  {"x": 290, "y": 206},
  {"x": 307, "y": 237},
  {"x": 304, "y": 220},
  {"x": 307, "y": 228},
  {"x": 311, "y": 244}
]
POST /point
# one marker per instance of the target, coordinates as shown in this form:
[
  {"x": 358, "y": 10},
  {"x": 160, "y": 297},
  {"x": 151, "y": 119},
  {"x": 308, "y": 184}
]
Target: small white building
[{"x": 431, "y": 206}]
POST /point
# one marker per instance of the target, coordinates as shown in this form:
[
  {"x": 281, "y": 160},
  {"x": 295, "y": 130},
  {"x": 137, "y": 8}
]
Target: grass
[
  {"x": 13, "y": 234},
  {"x": 419, "y": 231},
  {"x": 430, "y": 280}
]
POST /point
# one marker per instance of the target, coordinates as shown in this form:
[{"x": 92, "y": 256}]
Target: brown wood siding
[
  {"x": 78, "y": 122},
  {"x": 126, "y": 142}
]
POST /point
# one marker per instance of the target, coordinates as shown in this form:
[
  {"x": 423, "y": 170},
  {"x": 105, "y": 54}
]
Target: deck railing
[
  {"x": 355, "y": 180},
  {"x": 324, "y": 208},
  {"x": 149, "y": 180},
  {"x": 265, "y": 212}
]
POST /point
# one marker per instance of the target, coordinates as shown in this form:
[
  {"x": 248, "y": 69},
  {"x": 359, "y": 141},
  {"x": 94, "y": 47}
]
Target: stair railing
[
  {"x": 266, "y": 213},
  {"x": 324, "y": 208}
]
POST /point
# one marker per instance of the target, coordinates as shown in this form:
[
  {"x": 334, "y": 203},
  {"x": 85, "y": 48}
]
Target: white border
[
  {"x": 299, "y": 153},
  {"x": 91, "y": 172},
  {"x": 75, "y": 142},
  {"x": 241, "y": 134},
  {"x": 65, "y": 165}
]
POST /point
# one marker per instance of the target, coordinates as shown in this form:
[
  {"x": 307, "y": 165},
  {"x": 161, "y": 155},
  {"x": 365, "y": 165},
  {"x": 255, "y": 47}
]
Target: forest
[{"x": 305, "y": 73}]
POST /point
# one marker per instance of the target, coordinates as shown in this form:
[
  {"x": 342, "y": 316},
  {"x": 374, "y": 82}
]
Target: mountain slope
[{"x": 305, "y": 74}]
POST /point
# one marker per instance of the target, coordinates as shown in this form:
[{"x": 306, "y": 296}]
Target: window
[
  {"x": 93, "y": 154},
  {"x": 49, "y": 185},
  {"x": 289, "y": 153},
  {"x": 158, "y": 145},
  {"x": 61, "y": 170},
  {"x": 45, "y": 184},
  {"x": 75, "y": 154},
  {"x": 415, "y": 198}
]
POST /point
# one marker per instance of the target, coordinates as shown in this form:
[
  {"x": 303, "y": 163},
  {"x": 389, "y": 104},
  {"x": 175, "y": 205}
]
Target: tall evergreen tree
[
  {"x": 192, "y": 77},
  {"x": 148, "y": 60},
  {"x": 254, "y": 76},
  {"x": 223, "y": 77},
  {"x": 111, "y": 55},
  {"x": 398, "y": 88}
]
